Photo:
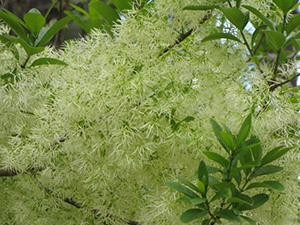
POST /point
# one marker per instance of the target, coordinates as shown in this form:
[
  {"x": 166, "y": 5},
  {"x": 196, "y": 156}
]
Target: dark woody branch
[{"x": 183, "y": 36}]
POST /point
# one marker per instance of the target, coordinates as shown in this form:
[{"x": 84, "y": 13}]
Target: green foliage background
[{"x": 99, "y": 131}]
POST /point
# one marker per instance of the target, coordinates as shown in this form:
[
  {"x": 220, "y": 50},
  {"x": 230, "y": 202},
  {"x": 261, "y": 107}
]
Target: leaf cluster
[
  {"x": 222, "y": 193},
  {"x": 38, "y": 34},
  {"x": 268, "y": 35}
]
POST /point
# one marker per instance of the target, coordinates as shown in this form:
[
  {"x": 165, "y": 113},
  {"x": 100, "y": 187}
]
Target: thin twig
[
  {"x": 273, "y": 87},
  {"x": 183, "y": 36},
  {"x": 79, "y": 205}
]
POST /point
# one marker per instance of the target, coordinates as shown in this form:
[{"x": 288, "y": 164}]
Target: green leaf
[
  {"x": 258, "y": 200},
  {"x": 203, "y": 173},
  {"x": 184, "y": 190},
  {"x": 276, "y": 38},
  {"x": 34, "y": 22},
  {"x": 206, "y": 222},
  {"x": 248, "y": 165},
  {"x": 285, "y": 5},
  {"x": 223, "y": 193},
  {"x": 236, "y": 17},
  {"x": 228, "y": 215},
  {"x": 293, "y": 23},
  {"x": 244, "y": 131},
  {"x": 50, "y": 8},
  {"x": 269, "y": 169},
  {"x": 188, "y": 119},
  {"x": 202, "y": 187},
  {"x": 201, "y": 7},
  {"x": 30, "y": 50},
  {"x": 13, "y": 24},
  {"x": 228, "y": 139},
  {"x": 263, "y": 18},
  {"x": 79, "y": 21},
  {"x": 48, "y": 61},
  {"x": 245, "y": 199},
  {"x": 77, "y": 8},
  {"x": 274, "y": 154},
  {"x": 257, "y": 152},
  {"x": 197, "y": 201},
  {"x": 267, "y": 184},
  {"x": 256, "y": 33},
  {"x": 10, "y": 46},
  {"x": 189, "y": 184},
  {"x": 217, "y": 158},
  {"x": 21, "y": 22},
  {"x": 122, "y": 4},
  {"x": 217, "y": 130},
  {"x": 248, "y": 145},
  {"x": 216, "y": 36},
  {"x": 249, "y": 220},
  {"x": 103, "y": 10},
  {"x": 53, "y": 30},
  {"x": 192, "y": 214},
  {"x": 238, "y": 3}
]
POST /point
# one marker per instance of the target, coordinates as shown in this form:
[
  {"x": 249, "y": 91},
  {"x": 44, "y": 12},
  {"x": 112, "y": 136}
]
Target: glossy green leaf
[
  {"x": 276, "y": 38},
  {"x": 182, "y": 189},
  {"x": 48, "y": 61},
  {"x": 14, "y": 25},
  {"x": 223, "y": 193},
  {"x": 228, "y": 215},
  {"x": 79, "y": 21},
  {"x": 256, "y": 152},
  {"x": 258, "y": 200},
  {"x": 217, "y": 130},
  {"x": 197, "y": 201},
  {"x": 77, "y": 8},
  {"x": 203, "y": 173},
  {"x": 285, "y": 5},
  {"x": 30, "y": 50},
  {"x": 293, "y": 36},
  {"x": 293, "y": 23},
  {"x": 248, "y": 145},
  {"x": 201, "y": 7},
  {"x": 269, "y": 169},
  {"x": 267, "y": 184},
  {"x": 263, "y": 18},
  {"x": 249, "y": 220},
  {"x": 103, "y": 10},
  {"x": 122, "y": 4},
  {"x": 188, "y": 119},
  {"x": 189, "y": 184},
  {"x": 192, "y": 214},
  {"x": 228, "y": 139},
  {"x": 201, "y": 187},
  {"x": 54, "y": 30},
  {"x": 50, "y": 8},
  {"x": 34, "y": 22},
  {"x": 257, "y": 31},
  {"x": 244, "y": 131},
  {"x": 217, "y": 158},
  {"x": 241, "y": 199},
  {"x": 21, "y": 22},
  {"x": 236, "y": 17},
  {"x": 216, "y": 36},
  {"x": 248, "y": 165},
  {"x": 238, "y": 3},
  {"x": 274, "y": 154}
]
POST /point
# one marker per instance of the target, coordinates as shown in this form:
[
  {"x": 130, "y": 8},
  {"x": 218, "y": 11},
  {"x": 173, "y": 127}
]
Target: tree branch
[
  {"x": 274, "y": 86},
  {"x": 78, "y": 205},
  {"x": 183, "y": 36}
]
